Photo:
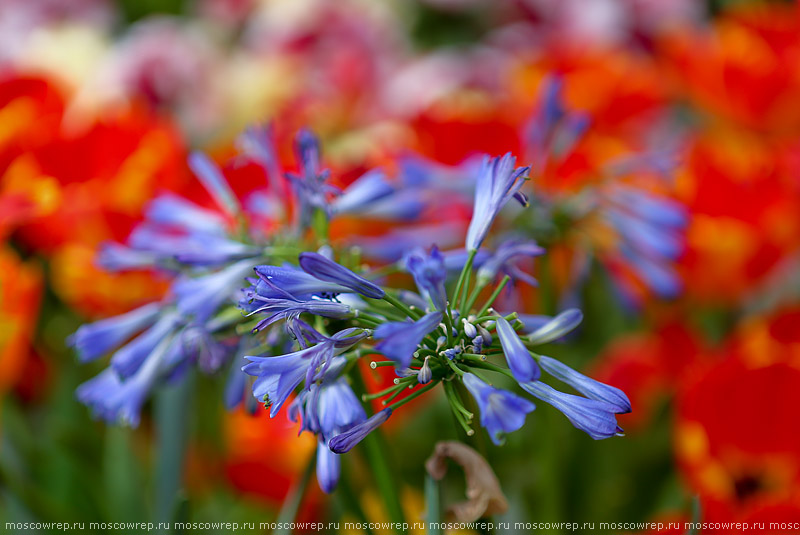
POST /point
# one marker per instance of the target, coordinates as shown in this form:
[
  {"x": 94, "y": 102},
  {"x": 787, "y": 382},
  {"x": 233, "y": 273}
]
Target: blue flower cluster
[{"x": 291, "y": 315}]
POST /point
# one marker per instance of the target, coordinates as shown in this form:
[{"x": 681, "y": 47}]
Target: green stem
[
  {"x": 376, "y": 448},
  {"x": 474, "y": 295},
  {"x": 494, "y": 296},
  {"x": 466, "y": 269},
  {"x": 412, "y": 396},
  {"x": 453, "y": 366},
  {"x": 293, "y": 500},
  {"x": 172, "y": 417},
  {"x": 395, "y": 302},
  {"x": 433, "y": 505}
]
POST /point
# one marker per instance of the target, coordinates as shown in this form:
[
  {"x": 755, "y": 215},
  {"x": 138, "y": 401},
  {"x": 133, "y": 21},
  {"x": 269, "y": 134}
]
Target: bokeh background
[{"x": 101, "y": 101}]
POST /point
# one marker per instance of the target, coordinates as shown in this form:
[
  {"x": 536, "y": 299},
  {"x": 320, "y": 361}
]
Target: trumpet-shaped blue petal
[
  {"x": 327, "y": 270},
  {"x": 361, "y": 194},
  {"x": 277, "y": 377},
  {"x": 201, "y": 297},
  {"x": 328, "y": 467},
  {"x": 429, "y": 274},
  {"x": 339, "y": 408},
  {"x": 278, "y": 309},
  {"x": 596, "y": 418},
  {"x": 501, "y": 411},
  {"x": 93, "y": 340},
  {"x": 129, "y": 358},
  {"x": 556, "y": 327},
  {"x": 212, "y": 179},
  {"x": 399, "y": 340},
  {"x": 280, "y": 281},
  {"x": 518, "y": 357},
  {"x": 346, "y": 441},
  {"x": 587, "y": 386},
  {"x": 176, "y": 211},
  {"x": 503, "y": 261},
  {"x": 115, "y": 257},
  {"x": 497, "y": 182},
  {"x": 120, "y": 401}
]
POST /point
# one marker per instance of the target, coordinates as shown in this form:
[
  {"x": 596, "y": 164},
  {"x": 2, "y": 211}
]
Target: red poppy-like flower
[{"x": 734, "y": 440}]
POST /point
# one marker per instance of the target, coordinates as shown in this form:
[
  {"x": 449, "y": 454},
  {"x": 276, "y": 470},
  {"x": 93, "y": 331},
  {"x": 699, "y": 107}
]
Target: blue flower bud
[
  {"x": 469, "y": 329},
  {"x": 347, "y": 440},
  {"x": 425, "y": 374},
  {"x": 518, "y": 357},
  {"x": 327, "y": 270}
]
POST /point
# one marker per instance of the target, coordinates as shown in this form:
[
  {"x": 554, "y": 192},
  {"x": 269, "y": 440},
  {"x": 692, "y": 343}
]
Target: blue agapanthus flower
[
  {"x": 501, "y": 411},
  {"x": 497, "y": 182},
  {"x": 93, "y": 340},
  {"x": 429, "y": 272},
  {"x": 327, "y": 270},
  {"x": 399, "y": 340},
  {"x": 346, "y": 441},
  {"x": 517, "y": 355},
  {"x": 596, "y": 418}
]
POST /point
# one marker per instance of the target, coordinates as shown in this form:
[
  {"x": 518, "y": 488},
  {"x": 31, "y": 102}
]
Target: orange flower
[{"x": 20, "y": 291}]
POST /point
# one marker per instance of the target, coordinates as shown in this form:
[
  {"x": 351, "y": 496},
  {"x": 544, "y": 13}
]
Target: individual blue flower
[
  {"x": 93, "y": 340},
  {"x": 403, "y": 205},
  {"x": 554, "y": 130},
  {"x": 596, "y": 418},
  {"x": 116, "y": 400},
  {"x": 429, "y": 274},
  {"x": 587, "y": 386},
  {"x": 212, "y": 179},
  {"x": 115, "y": 257},
  {"x": 127, "y": 360},
  {"x": 346, "y": 441},
  {"x": 278, "y": 309},
  {"x": 195, "y": 344},
  {"x": 544, "y": 329},
  {"x": 327, "y": 270},
  {"x": 362, "y": 193},
  {"x": 659, "y": 211},
  {"x": 201, "y": 297},
  {"x": 278, "y": 281},
  {"x": 501, "y": 411},
  {"x": 172, "y": 210},
  {"x": 339, "y": 409},
  {"x": 497, "y": 182},
  {"x": 399, "y": 340},
  {"x": 454, "y": 260},
  {"x": 504, "y": 258},
  {"x": 258, "y": 143},
  {"x": 654, "y": 240},
  {"x": 661, "y": 277},
  {"x": 196, "y": 248},
  {"x": 277, "y": 377},
  {"x": 519, "y": 359},
  {"x": 310, "y": 186}
]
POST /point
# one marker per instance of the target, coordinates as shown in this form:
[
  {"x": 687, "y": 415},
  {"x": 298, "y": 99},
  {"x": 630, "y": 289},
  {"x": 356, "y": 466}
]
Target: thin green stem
[
  {"x": 453, "y": 366},
  {"x": 466, "y": 269},
  {"x": 376, "y": 449},
  {"x": 384, "y": 392},
  {"x": 494, "y": 296},
  {"x": 172, "y": 417},
  {"x": 475, "y": 293},
  {"x": 433, "y": 505},
  {"x": 412, "y": 396},
  {"x": 404, "y": 308}
]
